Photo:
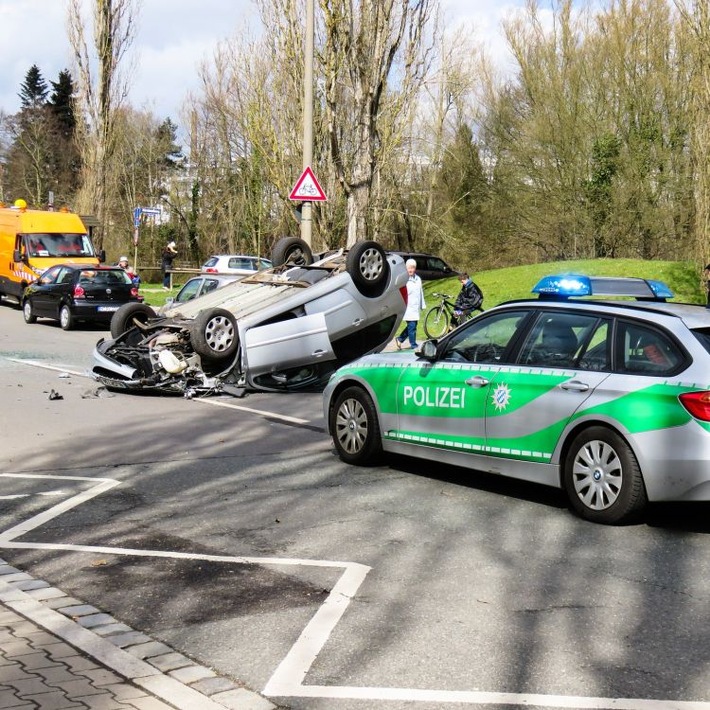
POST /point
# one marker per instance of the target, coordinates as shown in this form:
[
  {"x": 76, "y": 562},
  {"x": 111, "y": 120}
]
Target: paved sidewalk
[{"x": 57, "y": 653}]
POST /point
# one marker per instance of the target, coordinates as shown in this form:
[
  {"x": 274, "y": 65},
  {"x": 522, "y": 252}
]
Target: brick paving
[{"x": 57, "y": 653}]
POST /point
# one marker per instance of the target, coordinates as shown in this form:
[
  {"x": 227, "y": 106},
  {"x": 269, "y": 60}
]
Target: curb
[{"x": 149, "y": 664}]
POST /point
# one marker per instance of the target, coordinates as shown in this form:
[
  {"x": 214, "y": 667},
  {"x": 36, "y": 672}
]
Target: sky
[{"x": 175, "y": 36}]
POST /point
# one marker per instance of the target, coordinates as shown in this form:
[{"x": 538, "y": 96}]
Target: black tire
[
  {"x": 214, "y": 334},
  {"x": 66, "y": 319},
  {"x": 355, "y": 428},
  {"x": 28, "y": 312},
  {"x": 291, "y": 250},
  {"x": 368, "y": 267},
  {"x": 436, "y": 322},
  {"x": 602, "y": 477},
  {"x": 127, "y": 315}
]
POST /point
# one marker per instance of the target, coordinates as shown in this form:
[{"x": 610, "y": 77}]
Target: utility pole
[{"x": 306, "y": 210}]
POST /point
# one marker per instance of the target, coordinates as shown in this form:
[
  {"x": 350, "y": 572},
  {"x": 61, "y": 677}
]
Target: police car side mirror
[
  {"x": 17, "y": 256},
  {"x": 428, "y": 350}
]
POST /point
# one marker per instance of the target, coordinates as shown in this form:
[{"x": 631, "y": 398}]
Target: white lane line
[
  {"x": 263, "y": 412},
  {"x": 288, "y": 679},
  {"x": 44, "y": 366},
  {"x": 100, "y": 485},
  {"x": 29, "y": 495}
]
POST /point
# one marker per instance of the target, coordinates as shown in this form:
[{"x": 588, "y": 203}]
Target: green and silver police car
[{"x": 608, "y": 399}]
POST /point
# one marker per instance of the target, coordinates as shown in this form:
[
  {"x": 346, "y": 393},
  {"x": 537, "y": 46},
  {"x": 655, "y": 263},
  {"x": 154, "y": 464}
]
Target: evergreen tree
[
  {"x": 33, "y": 92},
  {"x": 61, "y": 103},
  {"x": 166, "y": 136}
]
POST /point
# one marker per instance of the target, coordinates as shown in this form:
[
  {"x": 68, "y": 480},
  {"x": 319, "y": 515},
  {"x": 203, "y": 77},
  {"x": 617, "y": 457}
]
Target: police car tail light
[
  {"x": 403, "y": 292},
  {"x": 79, "y": 292},
  {"x": 698, "y": 404},
  {"x": 134, "y": 292},
  {"x": 210, "y": 270}
]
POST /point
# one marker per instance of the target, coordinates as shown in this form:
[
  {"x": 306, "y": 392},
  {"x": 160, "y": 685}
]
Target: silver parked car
[
  {"x": 239, "y": 264},
  {"x": 284, "y": 328}
]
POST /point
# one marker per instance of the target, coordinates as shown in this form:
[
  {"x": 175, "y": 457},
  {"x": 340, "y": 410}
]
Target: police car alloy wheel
[
  {"x": 355, "y": 429},
  {"x": 602, "y": 477}
]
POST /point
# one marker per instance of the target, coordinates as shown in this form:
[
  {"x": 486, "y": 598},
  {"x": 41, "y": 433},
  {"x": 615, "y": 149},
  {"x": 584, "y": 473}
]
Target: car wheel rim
[
  {"x": 597, "y": 475},
  {"x": 351, "y": 426},
  {"x": 219, "y": 334},
  {"x": 296, "y": 256},
  {"x": 64, "y": 317},
  {"x": 28, "y": 310},
  {"x": 371, "y": 264}
]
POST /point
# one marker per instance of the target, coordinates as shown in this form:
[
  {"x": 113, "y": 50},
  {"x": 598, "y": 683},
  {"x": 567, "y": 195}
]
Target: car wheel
[
  {"x": 367, "y": 265},
  {"x": 602, "y": 477},
  {"x": 214, "y": 334},
  {"x": 355, "y": 428},
  {"x": 291, "y": 250},
  {"x": 128, "y": 315},
  {"x": 66, "y": 319},
  {"x": 28, "y": 313}
]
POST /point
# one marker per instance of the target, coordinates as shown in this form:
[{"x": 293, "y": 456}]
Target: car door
[
  {"x": 565, "y": 356},
  {"x": 442, "y": 404},
  {"x": 286, "y": 344},
  {"x": 43, "y": 293}
]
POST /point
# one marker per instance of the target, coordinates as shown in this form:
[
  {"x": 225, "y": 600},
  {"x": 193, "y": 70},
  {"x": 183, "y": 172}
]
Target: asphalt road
[{"x": 235, "y": 535}]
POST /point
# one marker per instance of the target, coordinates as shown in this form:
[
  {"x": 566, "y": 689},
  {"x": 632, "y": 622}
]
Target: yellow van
[{"x": 33, "y": 240}]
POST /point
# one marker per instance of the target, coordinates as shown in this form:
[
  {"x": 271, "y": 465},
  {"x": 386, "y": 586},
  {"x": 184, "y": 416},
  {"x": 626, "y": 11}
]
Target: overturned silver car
[{"x": 284, "y": 328}]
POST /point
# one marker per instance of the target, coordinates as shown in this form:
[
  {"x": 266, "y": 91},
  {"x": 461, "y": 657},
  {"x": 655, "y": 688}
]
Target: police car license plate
[{"x": 105, "y": 309}]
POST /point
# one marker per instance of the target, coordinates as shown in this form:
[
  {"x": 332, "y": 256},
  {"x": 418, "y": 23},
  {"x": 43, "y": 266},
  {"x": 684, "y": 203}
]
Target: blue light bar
[
  {"x": 564, "y": 285},
  {"x": 660, "y": 290}
]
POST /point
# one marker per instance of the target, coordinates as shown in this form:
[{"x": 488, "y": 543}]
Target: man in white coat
[{"x": 415, "y": 305}]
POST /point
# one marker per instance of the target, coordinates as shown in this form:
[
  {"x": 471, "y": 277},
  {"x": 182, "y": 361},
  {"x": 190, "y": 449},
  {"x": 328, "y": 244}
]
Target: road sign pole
[{"x": 306, "y": 222}]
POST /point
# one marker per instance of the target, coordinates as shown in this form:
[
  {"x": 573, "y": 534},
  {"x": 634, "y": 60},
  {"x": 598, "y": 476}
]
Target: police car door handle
[
  {"x": 477, "y": 381},
  {"x": 575, "y": 386}
]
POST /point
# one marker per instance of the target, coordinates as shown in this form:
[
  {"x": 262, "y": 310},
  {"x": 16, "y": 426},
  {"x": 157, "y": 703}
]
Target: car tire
[
  {"x": 66, "y": 319},
  {"x": 368, "y": 267},
  {"x": 291, "y": 250},
  {"x": 214, "y": 334},
  {"x": 127, "y": 315},
  {"x": 28, "y": 312},
  {"x": 355, "y": 428},
  {"x": 602, "y": 477}
]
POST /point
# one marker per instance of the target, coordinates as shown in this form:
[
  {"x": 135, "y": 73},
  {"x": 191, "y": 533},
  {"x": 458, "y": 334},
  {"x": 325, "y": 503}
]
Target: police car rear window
[{"x": 703, "y": 335}]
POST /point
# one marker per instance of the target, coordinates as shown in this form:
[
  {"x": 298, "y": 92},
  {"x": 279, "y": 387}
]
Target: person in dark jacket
[
  {"x": 167, "y": 258},
  {"x": 470, "y": 299}
]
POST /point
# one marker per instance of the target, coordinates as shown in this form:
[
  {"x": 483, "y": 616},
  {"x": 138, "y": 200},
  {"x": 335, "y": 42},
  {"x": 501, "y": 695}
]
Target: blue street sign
[{"x": 137, "y": 217}]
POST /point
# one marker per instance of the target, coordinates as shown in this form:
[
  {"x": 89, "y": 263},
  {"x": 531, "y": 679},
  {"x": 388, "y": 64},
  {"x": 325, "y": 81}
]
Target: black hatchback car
[
  {"x": 78, "y": 292},
  {"x": 429, "y": 267}
]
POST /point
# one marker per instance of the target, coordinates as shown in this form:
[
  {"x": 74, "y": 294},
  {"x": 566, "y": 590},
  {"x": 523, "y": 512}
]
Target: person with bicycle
[
  {"x": 415, "y": 305},
  {"x": 469, "y": 299}
]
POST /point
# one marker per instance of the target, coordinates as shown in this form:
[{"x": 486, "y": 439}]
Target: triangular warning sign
[{"x": 307, "y": 188}]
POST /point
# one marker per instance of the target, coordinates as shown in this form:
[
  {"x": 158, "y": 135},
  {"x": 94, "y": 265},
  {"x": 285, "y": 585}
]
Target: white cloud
[{"x": 174, "y": 37}]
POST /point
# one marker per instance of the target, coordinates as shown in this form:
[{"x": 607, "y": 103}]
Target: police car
[{"x": 606, "y": 399}]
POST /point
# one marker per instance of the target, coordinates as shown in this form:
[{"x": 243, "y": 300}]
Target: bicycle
[{"x": 438, "y": 319}]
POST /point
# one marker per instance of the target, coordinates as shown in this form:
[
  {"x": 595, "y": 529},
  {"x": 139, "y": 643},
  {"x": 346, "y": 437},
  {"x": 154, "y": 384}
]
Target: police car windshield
[{"x": 58, "y": 245}]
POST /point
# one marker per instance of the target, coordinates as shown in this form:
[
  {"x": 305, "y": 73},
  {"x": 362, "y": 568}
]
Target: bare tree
[
  {"x": 102, "y": 89},
  {"x": 696, "y": 15},
  {"x": 364, "y": 43}
]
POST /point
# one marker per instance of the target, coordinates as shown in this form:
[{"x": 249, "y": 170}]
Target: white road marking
[
  {"x": 44, "y": 366},
  {"x": 288, "y": 679},
  {"x": 29, "y": 495},
  {"x": 263, "y": 412}
]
